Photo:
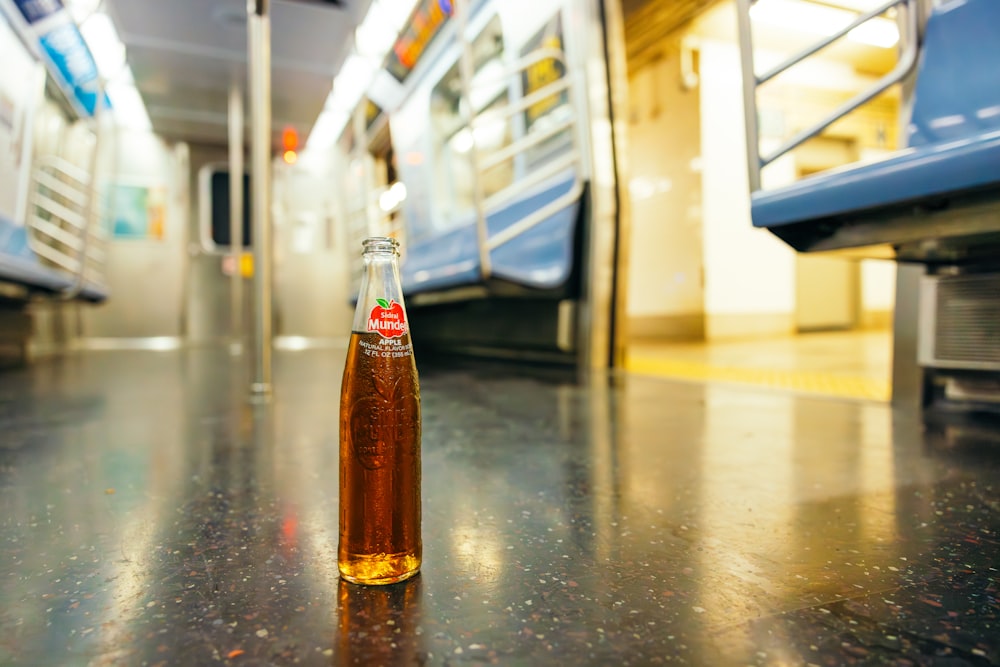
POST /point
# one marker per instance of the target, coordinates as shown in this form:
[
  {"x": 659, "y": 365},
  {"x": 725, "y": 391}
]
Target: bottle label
[{"x": 387, "y": 319}]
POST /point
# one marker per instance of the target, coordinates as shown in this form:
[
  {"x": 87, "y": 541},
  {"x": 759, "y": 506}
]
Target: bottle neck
[{"x": 380, "y": 299}]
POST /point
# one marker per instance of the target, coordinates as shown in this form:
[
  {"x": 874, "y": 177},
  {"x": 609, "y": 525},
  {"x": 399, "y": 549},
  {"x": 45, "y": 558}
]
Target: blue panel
[
  {"x": 909, "y": 175},
  {"x": 14, "y": 240},
  {"x": 67, "y": 51},
  {"x": 36, "y": 10},
  {"x": 954, "y": 134},
  {"x": 540, "y": 258},
  {"x": 958, "y": 89},
  {"x": 19, "y": 265}
]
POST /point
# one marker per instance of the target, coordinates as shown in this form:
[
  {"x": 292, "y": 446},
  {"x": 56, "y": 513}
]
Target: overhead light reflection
[
  {"x": 391, "y": 199},
  {"x": 988, "y": 112},
  {"x": 476, "y": 545}
]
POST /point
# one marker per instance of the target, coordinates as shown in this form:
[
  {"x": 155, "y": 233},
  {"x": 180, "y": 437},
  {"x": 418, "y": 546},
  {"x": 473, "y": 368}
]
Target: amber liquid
[{"x": 379, "y": 461}]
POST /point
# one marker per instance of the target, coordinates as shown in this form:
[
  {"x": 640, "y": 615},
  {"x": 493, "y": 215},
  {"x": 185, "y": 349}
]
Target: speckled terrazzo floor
[{"x": 151, "y": 516}]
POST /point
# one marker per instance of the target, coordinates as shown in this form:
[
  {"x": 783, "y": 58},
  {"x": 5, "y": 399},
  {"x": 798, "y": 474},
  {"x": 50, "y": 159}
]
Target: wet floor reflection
[
  {"x": 380, "y": 625},
  {"x": 152, "y": 515}
]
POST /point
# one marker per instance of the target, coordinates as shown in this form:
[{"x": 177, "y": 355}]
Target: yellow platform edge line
[{"x": 812, "y": 382}]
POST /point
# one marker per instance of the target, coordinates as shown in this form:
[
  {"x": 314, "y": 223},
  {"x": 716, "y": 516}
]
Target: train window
[
  {"x": 488, "y": 95},
  {"x": 214, "y": 196},
  {"x": 552, "y": 111}
]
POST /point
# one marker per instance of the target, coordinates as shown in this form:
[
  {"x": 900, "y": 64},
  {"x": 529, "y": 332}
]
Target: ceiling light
[
  {"x": 81, "y": 9},
  {"x": 375, "y": 35},
  {"x": 823, "y": 20},
  {"x": 102, "y": 40},
  {"x": 398, "y": 11},
  {"x": 327, "y": 128},
  {"x": 351, "y": 82},
  {"x": 127, "y": 106}
]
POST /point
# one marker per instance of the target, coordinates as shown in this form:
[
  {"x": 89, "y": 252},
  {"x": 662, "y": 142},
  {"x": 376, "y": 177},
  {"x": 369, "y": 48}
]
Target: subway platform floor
[
  {"x": 846, "y": 364},
  {"x": 151, "y": 515}
]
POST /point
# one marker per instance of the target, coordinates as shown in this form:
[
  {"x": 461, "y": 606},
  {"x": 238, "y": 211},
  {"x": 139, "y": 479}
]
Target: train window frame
[
  {"x": 206, "y": 209},
  {"x": 451, "y": 210}
]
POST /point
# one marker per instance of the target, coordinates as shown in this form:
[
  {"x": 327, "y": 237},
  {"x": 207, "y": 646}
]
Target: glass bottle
[{"x": 380, "y": 539}]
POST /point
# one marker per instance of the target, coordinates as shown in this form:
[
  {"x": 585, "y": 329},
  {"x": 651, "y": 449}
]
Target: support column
[
  {"x": 260, "y": 177},
  {"x": 907, "y": 375},
  {"x": 236, "y": 217}
]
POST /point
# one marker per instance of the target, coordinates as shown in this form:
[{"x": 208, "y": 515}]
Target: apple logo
[{"x": 387, "y": 319}]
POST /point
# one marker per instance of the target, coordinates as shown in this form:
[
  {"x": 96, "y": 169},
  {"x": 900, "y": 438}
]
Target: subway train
[{"x": 650, "y": 253}]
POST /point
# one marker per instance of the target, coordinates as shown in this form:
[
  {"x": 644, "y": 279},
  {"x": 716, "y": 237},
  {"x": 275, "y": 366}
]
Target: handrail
[
  {"x": 534, "y": 179},
  {"x": 751, "y": 81},
  {"x": 90, "y": 209},
  {"x": 61, "y": 218},
  {"x": 53, "y": 183},
  {"x": 501, "y": 155},
  {"x": 537, "y": 216},
  {"x": 566, "y": 83}
]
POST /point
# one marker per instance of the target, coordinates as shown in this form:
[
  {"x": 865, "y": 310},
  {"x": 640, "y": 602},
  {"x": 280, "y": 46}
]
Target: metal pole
[
  {"x": 749, "y": 93},
  {"x": 236, "y": 217},
  {"x": 260, "y": 173}
]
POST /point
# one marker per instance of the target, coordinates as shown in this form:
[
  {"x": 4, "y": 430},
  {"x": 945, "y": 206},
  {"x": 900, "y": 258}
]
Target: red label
[{"x": 387, "y": 319}]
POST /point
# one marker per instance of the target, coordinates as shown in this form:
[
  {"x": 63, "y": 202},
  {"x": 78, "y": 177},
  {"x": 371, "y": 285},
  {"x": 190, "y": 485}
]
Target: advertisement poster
[
  {"x": 548, "y": 111},
  {"x": 63, "y": 48},
  {"x": 135, "y": 212},
  {"x": 544, "y": 72}
]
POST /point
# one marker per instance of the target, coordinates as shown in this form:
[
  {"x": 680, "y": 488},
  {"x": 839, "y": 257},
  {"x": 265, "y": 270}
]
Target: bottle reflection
[{"x": 380, "y": 625}]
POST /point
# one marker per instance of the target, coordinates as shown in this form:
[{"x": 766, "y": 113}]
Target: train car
[
  {"x": 613, "y": 218},
  {"x": 508, "y": 228},
  {"x": 48, "y": 242}
]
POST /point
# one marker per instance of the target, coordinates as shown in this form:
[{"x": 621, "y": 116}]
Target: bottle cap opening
[{"x": 380, "y": 244}]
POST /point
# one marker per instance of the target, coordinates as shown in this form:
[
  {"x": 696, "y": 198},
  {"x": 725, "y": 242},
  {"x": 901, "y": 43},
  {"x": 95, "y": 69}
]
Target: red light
[{"x": 289, "y": 139}]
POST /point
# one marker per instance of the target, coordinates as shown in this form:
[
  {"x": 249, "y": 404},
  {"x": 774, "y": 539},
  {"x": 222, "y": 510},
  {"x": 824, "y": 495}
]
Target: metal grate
[{"x": 967, "y": 320}]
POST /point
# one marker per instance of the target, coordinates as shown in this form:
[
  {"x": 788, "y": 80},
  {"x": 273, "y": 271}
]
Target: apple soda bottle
[{"x": 380, "y": 432}]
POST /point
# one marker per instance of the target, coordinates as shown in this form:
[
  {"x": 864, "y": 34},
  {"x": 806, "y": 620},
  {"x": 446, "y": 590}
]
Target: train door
[
  {"x": 496, "y": 167},
  {"x": 310, "y": 293},
  {"x": 666, "y": 295},
  {"x": 311, "y": 287},
  {"x": 698, "y": 269},
  {"x": 208, "y": 314}
]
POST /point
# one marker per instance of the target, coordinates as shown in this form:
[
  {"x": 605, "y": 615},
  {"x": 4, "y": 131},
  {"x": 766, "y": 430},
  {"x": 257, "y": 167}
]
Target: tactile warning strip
[{"x": 810, "y": 382}]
